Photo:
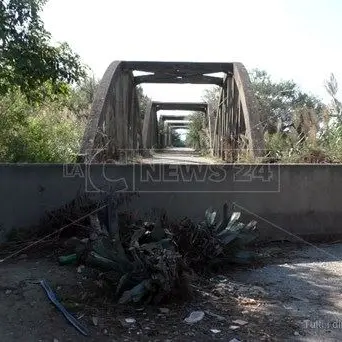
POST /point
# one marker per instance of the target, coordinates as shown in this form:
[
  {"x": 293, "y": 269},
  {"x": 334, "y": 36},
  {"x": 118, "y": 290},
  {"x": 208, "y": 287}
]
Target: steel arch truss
[{"x": 115, "y": 127}]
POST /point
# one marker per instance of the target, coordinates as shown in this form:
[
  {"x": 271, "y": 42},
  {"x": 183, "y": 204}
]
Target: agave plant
[
  {"x": 232, "y": 235},
  {"x": 145, "y": 258},
  {"x": 214, "y": 241},
  {"x": 151, "y": 262}
]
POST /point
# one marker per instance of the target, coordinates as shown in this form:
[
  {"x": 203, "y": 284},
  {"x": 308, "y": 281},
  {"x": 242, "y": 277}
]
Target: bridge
[
  {"x": 286, "y": 200},
  {"x": 116, "y": 128}
]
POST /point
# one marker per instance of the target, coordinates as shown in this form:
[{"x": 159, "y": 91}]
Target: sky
[{"x": 291, "y": 39}]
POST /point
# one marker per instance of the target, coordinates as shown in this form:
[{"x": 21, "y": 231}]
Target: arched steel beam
[
  {"x": 114, "y": 127},
  {"x": 237, "y": 119},
  {"x": 150, "y": 130}
]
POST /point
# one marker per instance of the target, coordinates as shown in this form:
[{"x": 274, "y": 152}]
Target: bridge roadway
[{"x": 180, "y": 155}]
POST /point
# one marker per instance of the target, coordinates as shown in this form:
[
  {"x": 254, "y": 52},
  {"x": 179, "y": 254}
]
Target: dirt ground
[{"x": 293, "y": 295}]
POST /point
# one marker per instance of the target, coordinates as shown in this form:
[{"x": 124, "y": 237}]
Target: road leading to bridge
[{"x": 178, "y": 156}]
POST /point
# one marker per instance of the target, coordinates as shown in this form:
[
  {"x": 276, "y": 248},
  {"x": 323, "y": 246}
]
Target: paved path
[{"x": 178, "y": 156}]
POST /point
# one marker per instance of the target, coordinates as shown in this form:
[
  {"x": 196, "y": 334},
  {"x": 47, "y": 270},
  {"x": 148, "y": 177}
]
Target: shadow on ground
[{"x": 294, "y": 297}]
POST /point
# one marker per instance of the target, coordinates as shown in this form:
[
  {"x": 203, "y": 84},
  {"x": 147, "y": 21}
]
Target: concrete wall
[{"x": 304, "y": 200}]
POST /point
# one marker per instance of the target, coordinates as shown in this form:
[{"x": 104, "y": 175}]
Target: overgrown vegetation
[
  {"x": 46, "y": 94},
  {"x": 298, "y": 127},
  {"x": 176, "y": 139},
  {"x": 141, "y": 261},
  {"x": 313, "y": 132},
  {"x": 42, "y": 89},
  {"x": 48, "y": 131},
  {"x": 45, "y": 90},
  {"x": 152, "y": 261},
  {"x": 198, "y": 134}
]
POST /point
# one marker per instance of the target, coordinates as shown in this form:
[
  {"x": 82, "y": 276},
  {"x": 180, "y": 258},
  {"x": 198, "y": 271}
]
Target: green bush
[{"x": 37, "y": 133}]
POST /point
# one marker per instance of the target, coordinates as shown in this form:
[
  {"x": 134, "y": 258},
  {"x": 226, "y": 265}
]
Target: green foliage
[
  {"x": 197, "y": 136},
  {"x": 176, "y": 140},
  {"x": 279, "y": 100},
  {"x": 317, "y": 139},
  {"x": 81, "y": 97},
  {"x": 211, "y": 241},
  {"x": 37, "y": 133},
  {"x": 27, "y": 58},
  {"x": 143, "y": 256},
  {"x": 148, "y": 262},
  {"x": 212, "y": 97},
  {"x": 327, "y": 148}
]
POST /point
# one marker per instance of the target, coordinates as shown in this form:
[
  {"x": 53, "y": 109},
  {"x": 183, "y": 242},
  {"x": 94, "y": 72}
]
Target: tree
[
  {"x": 46, "y": 132},
  {"x": 28, "y": 60},
  {"x": 82, "y": 96},
  {"x": 212, "y": 97},
  {"x": 280, "y": 101},
  {"x": 143, "y": 101},
  {"x": 197, "y": 136},
  {"x": 176, "y": 139}
]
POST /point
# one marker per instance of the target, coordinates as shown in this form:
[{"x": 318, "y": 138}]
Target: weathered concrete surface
[{"x": 286, "y": 200}]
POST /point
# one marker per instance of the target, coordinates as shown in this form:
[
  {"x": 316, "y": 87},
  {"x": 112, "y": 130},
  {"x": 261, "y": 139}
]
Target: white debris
[
  {"x": 80, "y": 268},
  {"x": 194, "y": 317},
  {"x": 234, "y": 327},
  {"x": 240, "y": 322},
  {"x": 130, "y": 320},
  {"x": 95, "y": 321},
  {"x": 215, "y": 331}
]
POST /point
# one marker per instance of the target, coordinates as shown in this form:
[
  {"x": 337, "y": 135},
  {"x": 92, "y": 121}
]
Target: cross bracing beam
[
  {"x": 180, "y": 68},
  {"x": 177, "y": 122},
  {"x": 179, "y": 72},
  {"x": 186, "y": 106},
  {"x": 164, "y": 117},
  {"x": 179, "y": 127}
]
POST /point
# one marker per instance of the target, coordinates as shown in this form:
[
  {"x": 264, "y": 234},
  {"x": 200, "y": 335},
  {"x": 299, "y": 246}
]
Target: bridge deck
[{"x": 178, "y": 156}]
